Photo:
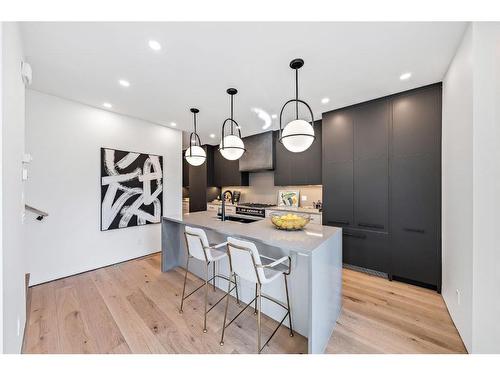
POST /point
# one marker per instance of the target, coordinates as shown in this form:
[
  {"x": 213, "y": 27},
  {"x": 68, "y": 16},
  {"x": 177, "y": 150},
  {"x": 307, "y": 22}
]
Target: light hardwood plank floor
[{"x": 132, "y": 307}]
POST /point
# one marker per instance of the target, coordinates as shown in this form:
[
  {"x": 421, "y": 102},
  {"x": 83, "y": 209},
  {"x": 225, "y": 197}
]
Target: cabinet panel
[
  {"x": 338, "y": 193},
  {"x": 371, "y": 130},
  {"x": 414, "y": 223},
  {"x": 302, "y": 168},
  {"x": 283, "y": 166},
  {"x": 416, "y": 122},
  {"x": 371, "y": 194},
  {"x": 366, "y": 249},
  {"x": 227, "y": 172},
  {"x": 337, "y": 136},
  {"x": 185, "y": 172}
]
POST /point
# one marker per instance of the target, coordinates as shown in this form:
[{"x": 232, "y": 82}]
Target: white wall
[
  {"x": 471, "y": 188},
  {"x": 13, "y": 255},
  {"x": 486, "y": 144},
  {"x": 457, "y": 189},
  {"x": 64, "y": 139}
]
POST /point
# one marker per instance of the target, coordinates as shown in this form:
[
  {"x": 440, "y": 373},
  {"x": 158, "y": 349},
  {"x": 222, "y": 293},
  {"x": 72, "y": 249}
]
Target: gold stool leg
[
  {"x": 259, "y": 328},
  {"x": 206, "y": 298},
  {"x": 236, "y": 285},
  {"x": 214, "y": 275},
  {"x": 184, "y": 287},
  {"x": 255, "y": 307},
  {"x": 225, "y": 312},
  {"x": 288, "y": 307}
]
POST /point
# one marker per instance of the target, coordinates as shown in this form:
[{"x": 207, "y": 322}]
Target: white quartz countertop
[{"x": 305, "y": 241}]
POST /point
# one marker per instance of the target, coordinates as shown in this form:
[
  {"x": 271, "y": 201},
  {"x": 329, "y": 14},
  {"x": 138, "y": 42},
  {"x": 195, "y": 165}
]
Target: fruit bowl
[{"x": 289, "y": 221}]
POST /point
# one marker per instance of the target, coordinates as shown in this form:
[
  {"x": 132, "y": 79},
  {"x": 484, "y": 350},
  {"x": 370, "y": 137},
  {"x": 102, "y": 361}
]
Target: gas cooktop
[{"x": 256, "y": 205}]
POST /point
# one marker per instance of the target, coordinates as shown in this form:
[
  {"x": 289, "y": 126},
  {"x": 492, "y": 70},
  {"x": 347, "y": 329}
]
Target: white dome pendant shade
[
  {"x": 195, "y": 154},
  {"x": 298, "y": 135},
  {"x": 231, "y": 146}
]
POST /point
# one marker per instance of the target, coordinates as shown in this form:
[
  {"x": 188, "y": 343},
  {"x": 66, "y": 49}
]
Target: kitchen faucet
[{"x": 223, "y": 207}]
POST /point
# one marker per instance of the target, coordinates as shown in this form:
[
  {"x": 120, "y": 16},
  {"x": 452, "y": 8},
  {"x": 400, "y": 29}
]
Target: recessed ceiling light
[
  {"x": 325, "y": 100},
  {"x": 275, "y": 116},
  {"x": 405, "y": 76},
  {"x": 212, "y": 135},
  {"x": 173, "y": 124},
  {"x": 124, "y": 83},
  {"x": 107, "y": 105},
  {"x": 154, "y": 45}
]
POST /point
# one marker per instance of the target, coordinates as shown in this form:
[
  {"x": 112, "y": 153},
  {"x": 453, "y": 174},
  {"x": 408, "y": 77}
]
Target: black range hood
[{"x": 260, "y": 154}]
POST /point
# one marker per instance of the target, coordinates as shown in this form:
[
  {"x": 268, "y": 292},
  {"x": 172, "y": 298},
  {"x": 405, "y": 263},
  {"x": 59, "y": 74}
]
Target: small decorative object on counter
[
  {"x": 288, "y": 198},
  {"x": 290, "y": 221}
]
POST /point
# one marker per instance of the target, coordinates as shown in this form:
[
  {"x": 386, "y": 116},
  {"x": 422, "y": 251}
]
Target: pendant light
[
  {"x": 195, "y": 154},
  {"x": 298, "y": 134},
  {"x": 231, "y": 146}
]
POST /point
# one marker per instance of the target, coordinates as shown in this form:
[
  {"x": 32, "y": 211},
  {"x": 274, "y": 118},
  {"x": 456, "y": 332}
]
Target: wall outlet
[
  {"x": 18, "y": 326},
  {"x": 304, "y": 198},
  {"x": 458, "y": 296}
]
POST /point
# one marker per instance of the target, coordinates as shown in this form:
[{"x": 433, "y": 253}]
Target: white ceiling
[{"x": 347, "y": 62}]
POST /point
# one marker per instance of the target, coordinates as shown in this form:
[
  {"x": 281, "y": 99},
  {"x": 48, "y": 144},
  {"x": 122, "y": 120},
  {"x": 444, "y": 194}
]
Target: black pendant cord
[
  {"x": 193, "y": 137},
  {"x": 296, "y": 94},
  {"x": 232, "y": 122}
]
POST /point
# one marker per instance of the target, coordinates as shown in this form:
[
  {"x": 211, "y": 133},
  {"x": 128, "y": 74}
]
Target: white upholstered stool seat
[
  {"x": 246, "y": 263},
  {"x": 199, "y": 248}
]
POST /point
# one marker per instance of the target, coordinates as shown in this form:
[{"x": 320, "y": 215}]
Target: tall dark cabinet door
[
  {"x": 371, "y": 165},
  {"x": 416, "y": 186},
  {"x": 337, "y": 168},
  {"x": 414, "y": 242}
]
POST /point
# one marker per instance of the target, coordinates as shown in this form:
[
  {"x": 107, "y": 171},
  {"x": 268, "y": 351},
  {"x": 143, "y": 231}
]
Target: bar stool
[
  {"x": 246, "y": 263},
  {"x": 199, "y": 248}
]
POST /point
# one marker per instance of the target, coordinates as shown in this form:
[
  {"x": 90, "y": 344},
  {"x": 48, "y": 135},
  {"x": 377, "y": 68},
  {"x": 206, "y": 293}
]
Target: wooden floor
[{"x": 133, "y": 307}]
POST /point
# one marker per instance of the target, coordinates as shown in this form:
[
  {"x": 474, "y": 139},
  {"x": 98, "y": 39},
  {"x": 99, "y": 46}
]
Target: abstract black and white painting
[{"x": 131, "y": 189}]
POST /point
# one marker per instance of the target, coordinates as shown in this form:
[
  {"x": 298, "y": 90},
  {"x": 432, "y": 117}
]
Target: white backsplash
[{"x": 262, "y": 190}]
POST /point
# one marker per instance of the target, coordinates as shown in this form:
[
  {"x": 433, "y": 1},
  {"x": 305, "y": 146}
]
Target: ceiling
[{"x": 345, "y": 62}]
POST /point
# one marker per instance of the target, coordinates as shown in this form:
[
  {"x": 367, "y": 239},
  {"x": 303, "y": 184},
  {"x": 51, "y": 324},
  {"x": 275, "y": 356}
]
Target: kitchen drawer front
[
  {"x": 316, "y": 219},
  {"x": 230, "y": 210},
  {"x": 366, "y": 249}
]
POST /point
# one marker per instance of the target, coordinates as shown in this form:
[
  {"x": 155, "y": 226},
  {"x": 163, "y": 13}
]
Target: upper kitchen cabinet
[
  {"x": 302, "y": 168},
  {"x": 371, "y": 164},
  {"x": 227, "y": 172},
  {"x": 355, "y": 166}
]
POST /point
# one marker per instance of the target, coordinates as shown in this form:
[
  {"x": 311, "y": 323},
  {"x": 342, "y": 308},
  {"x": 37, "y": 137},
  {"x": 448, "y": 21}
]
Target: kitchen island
[{"x": 315, "y": 281}]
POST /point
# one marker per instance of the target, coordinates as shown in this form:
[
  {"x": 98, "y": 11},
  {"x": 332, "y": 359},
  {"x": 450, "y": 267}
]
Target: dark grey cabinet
[
  {"x": 338, "y": 193},
  {"x": 185, "y": 172},
  {"x": 366, "y": 249},
  {"x": 201, "y": 179},
  {"x": 227, "y": 172},
  {"x": 299, "y": 168},
  {"x": 382, "y": 183},
  {"x": 416, "y": 186}
]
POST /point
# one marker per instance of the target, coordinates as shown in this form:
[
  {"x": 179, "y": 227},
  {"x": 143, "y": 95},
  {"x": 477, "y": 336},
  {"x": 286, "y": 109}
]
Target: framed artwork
[
  {"x": 288, "y": 198},
  {"x": 131, "y": 189}
]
